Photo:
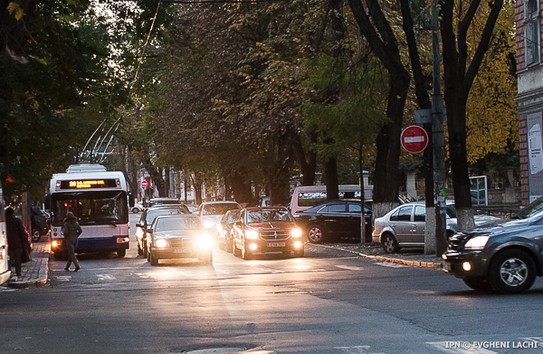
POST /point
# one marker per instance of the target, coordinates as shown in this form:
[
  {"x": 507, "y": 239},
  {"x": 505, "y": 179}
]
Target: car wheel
[
  {"x": 135, "y": 210},
  {"x": 153, "y": 259},
  {"x": 36, "y": 235},
  {"x": 480, "y": 284},
  {"x": 389, "y": 244},
  {"x": 121, "y": 253},
  {"x": 315, "y": 234},
  {"x": 512, "y": 271}
]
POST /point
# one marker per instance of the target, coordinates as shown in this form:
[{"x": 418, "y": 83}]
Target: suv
[
  {"x": 505, "y": 258},
  {"x": 210, "y": 213}
]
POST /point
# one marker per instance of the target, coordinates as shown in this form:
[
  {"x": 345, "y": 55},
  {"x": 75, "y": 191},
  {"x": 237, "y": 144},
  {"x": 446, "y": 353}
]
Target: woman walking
[{"x": 71, "y": 231}]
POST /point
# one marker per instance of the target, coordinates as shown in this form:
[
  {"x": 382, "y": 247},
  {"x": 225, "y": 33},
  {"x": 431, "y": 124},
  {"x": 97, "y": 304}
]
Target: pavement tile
[{"x": 33, "y": 273}]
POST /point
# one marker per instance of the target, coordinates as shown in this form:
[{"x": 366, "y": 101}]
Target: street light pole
[{"x": 438, "y": 140}]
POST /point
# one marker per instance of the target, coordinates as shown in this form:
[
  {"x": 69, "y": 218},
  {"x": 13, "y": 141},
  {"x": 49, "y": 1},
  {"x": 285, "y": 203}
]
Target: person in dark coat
[
  {"x": 17, "y": 239},
  {"x": 71, "y": 231}
]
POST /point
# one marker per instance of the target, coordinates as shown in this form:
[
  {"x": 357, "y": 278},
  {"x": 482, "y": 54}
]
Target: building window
[{"x": 532, "y": 32}]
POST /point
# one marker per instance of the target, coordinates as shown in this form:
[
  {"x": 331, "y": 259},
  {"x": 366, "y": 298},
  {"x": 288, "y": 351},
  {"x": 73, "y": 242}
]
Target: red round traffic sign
[
  {"x": 144, "y": 183},
  {"x": 414, "y": 139}
]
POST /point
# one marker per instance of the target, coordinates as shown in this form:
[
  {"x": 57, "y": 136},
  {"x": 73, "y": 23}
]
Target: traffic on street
[{"x": 329, "y": 301}]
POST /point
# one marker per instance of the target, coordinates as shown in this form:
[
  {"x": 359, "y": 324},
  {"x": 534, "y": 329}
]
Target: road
[{"x": 326, "y": 302}]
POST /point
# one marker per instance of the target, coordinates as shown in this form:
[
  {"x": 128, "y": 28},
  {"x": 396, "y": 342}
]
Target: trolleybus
[{"x": 98, "y": 198}]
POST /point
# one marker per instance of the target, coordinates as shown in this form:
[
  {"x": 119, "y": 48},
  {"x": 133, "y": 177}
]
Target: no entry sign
[
  {"x": 144, "y": 184},
  {"x": 414, "y": 139}
]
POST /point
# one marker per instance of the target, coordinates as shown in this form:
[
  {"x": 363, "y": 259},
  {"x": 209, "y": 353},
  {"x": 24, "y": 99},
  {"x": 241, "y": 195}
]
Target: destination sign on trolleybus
[{"x": 88, "y": 183}]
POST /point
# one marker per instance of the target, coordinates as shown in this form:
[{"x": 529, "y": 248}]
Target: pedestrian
[
  {"x": 71, "y": 231},
  {"x": 17, "y": 240}
]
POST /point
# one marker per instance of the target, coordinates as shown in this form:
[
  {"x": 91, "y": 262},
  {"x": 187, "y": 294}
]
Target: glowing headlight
[
  {"x": 161, "y": 243},
  {"x": 208, "y": 224},
  {"x": 251, "y": 234},
  {"x": 476, "y": 243},
  {"x": 296, "y": 232},
  {"x": 204, "y": 242}
]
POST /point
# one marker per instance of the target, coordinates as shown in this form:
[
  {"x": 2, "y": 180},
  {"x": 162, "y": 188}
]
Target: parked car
[
  {"x": 225, "y": 228},
  {"x": 5, "y": 270},
  {"x": 137, "y": 207},
  {"x": 267, "y": 230},
  {"x": 162, "y": 200},
  {"x": 179, "y": 236},
  {"x": 403, "y": 226},
  {"x": 505, "y": 258},
  {"x": 335, "y": 219},
  {"x": 211, "y": 212},
  {"x": 40, "y": 222},
  {"x": 143, "y": 226}
]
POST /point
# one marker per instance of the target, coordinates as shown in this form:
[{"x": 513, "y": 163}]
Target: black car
[
  {"x": 335, "y": 219},
  {"x": 147, "y": 216},
  {"x": 504, "y": 258},
  {"x": 40, "y": 222}
]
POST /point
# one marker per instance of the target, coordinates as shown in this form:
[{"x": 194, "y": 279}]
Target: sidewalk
[
  {"x": 34, "y": 273},
  {"x": 413, "y": 258}
]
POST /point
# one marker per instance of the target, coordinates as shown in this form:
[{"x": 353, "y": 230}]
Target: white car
[
  {"x": 210, "y": 213},
  {"x": 404, "y": 226}
]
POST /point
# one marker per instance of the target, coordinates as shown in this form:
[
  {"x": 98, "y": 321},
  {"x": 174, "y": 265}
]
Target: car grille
[
  {"x": 459, "y": 240},
  {"x": 275, "y": 234},
  {"x": 180, "y": 243}
]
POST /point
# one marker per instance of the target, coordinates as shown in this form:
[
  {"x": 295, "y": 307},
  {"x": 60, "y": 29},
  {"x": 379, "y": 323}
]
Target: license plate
[
  {"x": 276, "y": 244},
  {"x": 179, "y": 250}
]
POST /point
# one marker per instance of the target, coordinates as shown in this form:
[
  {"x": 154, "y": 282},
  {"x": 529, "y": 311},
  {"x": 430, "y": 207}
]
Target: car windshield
[
  {"x": 218, "y": 209},
  {"x": 171, "y": 224},
  {"x": 153, "y": 213},
  {"x": 532, "y": 209},
  {"x": 267, "y": 215}
]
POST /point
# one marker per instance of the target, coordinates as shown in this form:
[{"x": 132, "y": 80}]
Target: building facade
[{"x": 528, "y": 21}]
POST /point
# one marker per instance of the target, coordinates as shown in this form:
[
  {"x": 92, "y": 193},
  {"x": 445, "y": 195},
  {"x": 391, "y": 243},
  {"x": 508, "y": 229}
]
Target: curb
[{"x": 411, "y": 263}]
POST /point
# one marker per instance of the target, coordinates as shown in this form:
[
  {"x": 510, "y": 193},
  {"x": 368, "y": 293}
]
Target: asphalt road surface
[{"x": 327, "y": 302}]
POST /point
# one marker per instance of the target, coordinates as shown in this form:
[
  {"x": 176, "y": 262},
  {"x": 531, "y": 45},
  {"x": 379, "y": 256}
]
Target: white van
[
  {"x": 5, "y": 271},
  {"x": 305, "y": 197}
]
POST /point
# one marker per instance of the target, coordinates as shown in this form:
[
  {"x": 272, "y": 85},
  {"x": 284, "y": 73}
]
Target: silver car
[{"x": 403, "y": 226}]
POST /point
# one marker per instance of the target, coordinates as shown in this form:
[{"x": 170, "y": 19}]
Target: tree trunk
[
  {"x": 330, "y": 170},
  {"x": 240, "y": 187}
]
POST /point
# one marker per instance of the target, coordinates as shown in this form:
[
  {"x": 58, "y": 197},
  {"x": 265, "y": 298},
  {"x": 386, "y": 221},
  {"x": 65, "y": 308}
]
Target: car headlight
[
  {"x": 251, "y": 234},
  {"x": 208, "y": 224},
  {"x": 296, "y": 232},
  {"x": 161, "y": 243},
  {"x": 204, "y": 242},
  {"x": 476, "y": 243}
]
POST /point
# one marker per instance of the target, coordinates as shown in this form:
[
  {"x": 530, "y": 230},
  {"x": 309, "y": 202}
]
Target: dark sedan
[
  {"x": 335, "y": 219},
  {"x": 143, "y": 226},
  {"x": 268, "y": 230},
  {"x": 504, "y": 258},
  {"x": 179, "y": 236}
]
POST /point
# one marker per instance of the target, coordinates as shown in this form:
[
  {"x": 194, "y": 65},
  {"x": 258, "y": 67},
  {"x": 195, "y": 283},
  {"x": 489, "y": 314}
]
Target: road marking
[
  {"x": 6, "y": 289},
  {"x": 64, "y": 278},
  {"x": 105, "y": 277},
  {"x": 349, "y": 267},
  {"x": 391, "y": 265}
]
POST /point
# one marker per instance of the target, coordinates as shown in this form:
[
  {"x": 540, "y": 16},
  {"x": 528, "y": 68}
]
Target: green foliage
[{"x": 355, "y": 117}]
